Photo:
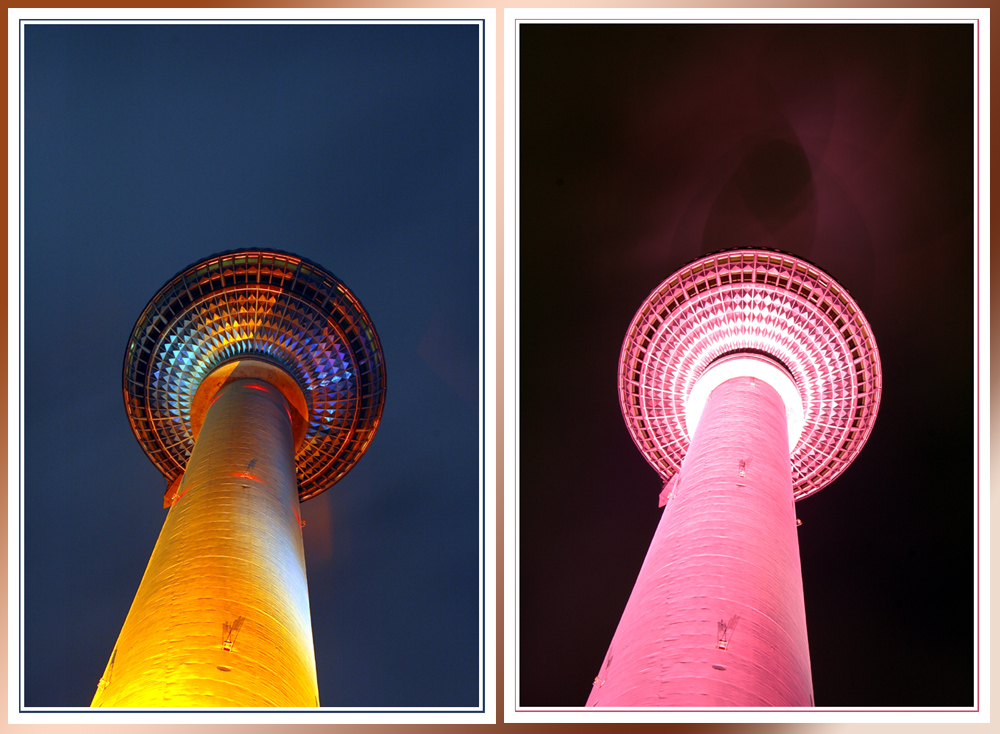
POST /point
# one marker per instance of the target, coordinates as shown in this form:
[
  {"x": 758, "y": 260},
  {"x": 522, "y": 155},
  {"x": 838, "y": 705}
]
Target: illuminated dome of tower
[
  {"x": 271, "y": 307},
  {"x": 753, "y": 303}
]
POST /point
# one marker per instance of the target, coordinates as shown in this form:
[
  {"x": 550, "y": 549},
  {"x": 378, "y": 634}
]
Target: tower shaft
[
  {"x": 221, "y": 617},
  {"x": 716, "y": 617}
]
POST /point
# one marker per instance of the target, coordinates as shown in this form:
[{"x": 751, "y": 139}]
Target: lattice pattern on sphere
[
  {"x": 265, "y": 305},
  {"x": 753, "y": 300}
]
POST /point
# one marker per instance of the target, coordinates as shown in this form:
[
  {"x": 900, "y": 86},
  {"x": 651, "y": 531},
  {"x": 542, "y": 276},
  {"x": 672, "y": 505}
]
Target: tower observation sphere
[
  {"x": 749, "y": 379},
  {"x": 253, "y": 380}
]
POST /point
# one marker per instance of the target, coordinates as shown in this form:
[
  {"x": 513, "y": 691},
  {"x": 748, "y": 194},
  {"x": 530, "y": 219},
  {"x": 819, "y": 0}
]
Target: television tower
[
  {"x": 749, "y": 379},
  {"x": 253, "y": 380}
]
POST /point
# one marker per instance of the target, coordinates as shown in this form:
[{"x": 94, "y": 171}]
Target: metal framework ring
[
  {"x": 271, "y": 306},
  {"x": 753, "y": 301}
]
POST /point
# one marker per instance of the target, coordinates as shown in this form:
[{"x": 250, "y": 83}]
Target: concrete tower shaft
[
  {"x": 221, "y": 617},
  {"x": 749, "y": 379},
  {"x": 716, "y": 617},
  {"x": 253, "y": 380}
]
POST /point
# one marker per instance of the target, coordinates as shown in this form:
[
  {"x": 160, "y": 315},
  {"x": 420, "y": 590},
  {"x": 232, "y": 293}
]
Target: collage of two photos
[{"x": 485, "y": 366}]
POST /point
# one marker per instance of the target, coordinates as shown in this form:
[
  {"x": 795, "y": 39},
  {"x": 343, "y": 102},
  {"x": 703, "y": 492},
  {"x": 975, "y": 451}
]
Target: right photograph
[{"x": 747, "y": 348}]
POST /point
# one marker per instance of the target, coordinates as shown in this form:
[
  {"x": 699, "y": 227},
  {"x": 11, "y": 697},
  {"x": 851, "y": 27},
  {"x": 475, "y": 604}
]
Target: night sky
[
  {"x": 643, "y": 147},
  {"x": 147, "y": 148}
]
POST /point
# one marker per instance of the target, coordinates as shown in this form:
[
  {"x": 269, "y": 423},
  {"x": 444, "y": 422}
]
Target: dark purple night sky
[{"x": 643, "y": 147}]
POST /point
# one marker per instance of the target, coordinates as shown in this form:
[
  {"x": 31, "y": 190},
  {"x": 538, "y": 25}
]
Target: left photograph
[{"x": 252, "y": 366}]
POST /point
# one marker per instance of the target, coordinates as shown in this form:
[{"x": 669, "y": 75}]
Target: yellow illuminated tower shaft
[
  {"x": 221, "y": 617},
  {"x": 253, "y": 380}
]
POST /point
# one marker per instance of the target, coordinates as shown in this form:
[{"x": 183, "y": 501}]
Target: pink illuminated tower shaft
[
  {"x": 749, "y": 379},
  {"x": 716, "y": 617}
]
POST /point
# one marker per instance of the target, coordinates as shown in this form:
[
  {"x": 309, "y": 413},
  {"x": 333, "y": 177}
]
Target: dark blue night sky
[{"x": 147, "y": 148}]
